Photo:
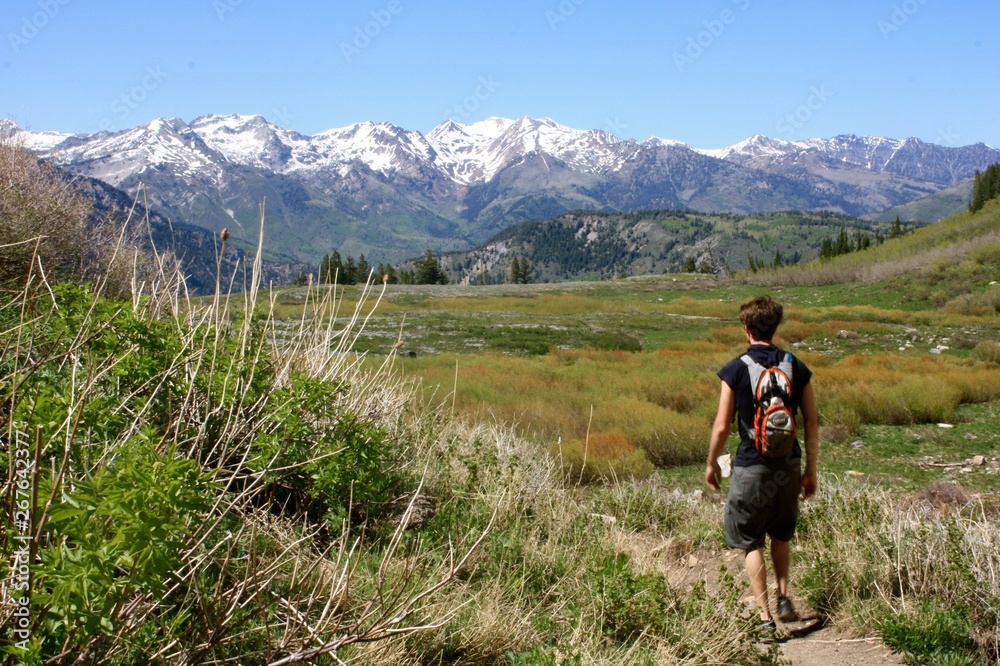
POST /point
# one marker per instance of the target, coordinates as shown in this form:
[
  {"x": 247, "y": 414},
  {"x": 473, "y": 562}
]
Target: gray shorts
[{"x": 762, "y": 500}]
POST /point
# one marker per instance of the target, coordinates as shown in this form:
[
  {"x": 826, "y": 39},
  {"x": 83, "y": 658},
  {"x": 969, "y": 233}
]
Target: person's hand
[
  {"x": 713, "y": 473},
  {"x": 808, "y": 484}
]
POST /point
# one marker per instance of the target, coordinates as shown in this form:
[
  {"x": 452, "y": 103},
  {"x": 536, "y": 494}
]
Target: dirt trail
[
  {"x": 827, "y": 647},
  {"x": 823, "y": 646}
]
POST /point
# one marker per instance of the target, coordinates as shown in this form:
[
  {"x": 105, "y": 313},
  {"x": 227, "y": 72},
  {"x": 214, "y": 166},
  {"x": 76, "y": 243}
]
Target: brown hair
[{"x": 761, "y": 316}]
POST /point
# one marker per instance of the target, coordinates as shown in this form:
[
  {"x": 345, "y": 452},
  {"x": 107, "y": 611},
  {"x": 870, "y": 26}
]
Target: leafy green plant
[
  {"x": 631, "y": 604},
  {"x": 326, "y": 461},
  {"x": 930, "y": 634},
  {"x": 120, "y": 533}
]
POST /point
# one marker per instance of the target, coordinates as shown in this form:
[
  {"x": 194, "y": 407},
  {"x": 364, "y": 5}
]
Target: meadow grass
[{"x": 523, "y": 490}]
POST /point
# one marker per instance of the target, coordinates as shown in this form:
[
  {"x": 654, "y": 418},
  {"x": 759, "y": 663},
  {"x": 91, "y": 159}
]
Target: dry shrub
[
  {"x": 866, "y": 555},
  {"x": 944, "y": 495},
  {"x": 728, "y": 335},
  {"x": 604, "y": 455},
  {"x": 903, "y": 403},
  {"x": 41, "y": 212},
  {"x": 677, "y": 439},
  {"x": 896, "y": 390},
  {"x": 835, "y": 433},
  {"x": 982, "y": 304},
  {"x": 698, "y": 307},
  {"x": 45, "y": 223},
  {"x": 488, "y": 624},
  {"x": 988, "y": 351}
]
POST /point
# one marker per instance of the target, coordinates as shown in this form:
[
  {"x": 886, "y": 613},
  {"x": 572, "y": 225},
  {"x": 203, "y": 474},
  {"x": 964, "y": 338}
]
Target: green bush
[
  {"x": 931, "y": 635},
  {"x": 632, "y": 604},
  {"x": 116, "y": 535},
  {"x": 328, "y": 463}
]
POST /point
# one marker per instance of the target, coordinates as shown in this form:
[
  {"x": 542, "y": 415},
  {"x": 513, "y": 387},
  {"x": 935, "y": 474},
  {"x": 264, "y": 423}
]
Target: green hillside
[
  {"x": 954, "y": 263},
  {"x": 596, "y": 245},
  {"x": 931, "y": 208}
]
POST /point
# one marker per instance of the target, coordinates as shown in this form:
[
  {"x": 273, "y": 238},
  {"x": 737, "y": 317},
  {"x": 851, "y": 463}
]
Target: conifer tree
[
  {"x": 843, "y": 244},
  {"x": 515, "y": 271},
  {"x": 324, "y": 270},
  {"x": 525, "y": 271},
  {"x": 427, "y": 270},
  {"x": 896, "y": 230},
  {"x": 826, "y": 248},
  {"x": 363, "y": 270},
  {"x": 985, "y": 187},
  {"x": 350, "y": 272}
]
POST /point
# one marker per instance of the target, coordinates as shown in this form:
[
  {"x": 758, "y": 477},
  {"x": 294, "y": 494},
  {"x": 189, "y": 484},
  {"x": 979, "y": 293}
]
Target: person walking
[{"x": 763, "y": 498}]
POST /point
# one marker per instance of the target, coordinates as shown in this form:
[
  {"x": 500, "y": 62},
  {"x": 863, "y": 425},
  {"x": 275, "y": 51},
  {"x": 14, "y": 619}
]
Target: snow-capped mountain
[
  {"x": 378, "y": 188},
  {"x": 910, "y": 157}
]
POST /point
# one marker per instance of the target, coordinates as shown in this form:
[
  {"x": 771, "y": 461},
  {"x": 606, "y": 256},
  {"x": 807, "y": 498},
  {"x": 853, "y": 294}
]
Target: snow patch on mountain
[{"x": 37, "y": 141}]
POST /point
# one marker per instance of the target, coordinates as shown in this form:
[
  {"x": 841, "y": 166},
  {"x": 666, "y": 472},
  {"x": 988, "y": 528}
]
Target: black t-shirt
[{"x": 737, "y": 376}]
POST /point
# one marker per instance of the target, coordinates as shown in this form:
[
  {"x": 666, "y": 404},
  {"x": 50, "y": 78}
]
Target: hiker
[{"x": 767, "y": 477}]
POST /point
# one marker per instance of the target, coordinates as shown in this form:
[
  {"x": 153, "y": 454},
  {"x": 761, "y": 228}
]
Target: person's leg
[
  {"x": 781, "y": 559},
  {"x": 757, "y": 572}
]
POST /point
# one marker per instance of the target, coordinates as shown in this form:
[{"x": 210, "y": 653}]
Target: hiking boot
[
  {"x": 786, "y": 612},
  {"x": 768, "y": 631}
]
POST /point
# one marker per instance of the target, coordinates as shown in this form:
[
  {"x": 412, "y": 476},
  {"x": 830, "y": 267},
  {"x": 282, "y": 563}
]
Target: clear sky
[{"x": 709, "y": 73}]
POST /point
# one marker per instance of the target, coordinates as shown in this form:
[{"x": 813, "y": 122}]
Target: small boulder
[{"x": 857, "y": 444}]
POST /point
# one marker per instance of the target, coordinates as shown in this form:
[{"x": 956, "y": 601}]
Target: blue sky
[{"x": 709, "y": 73}]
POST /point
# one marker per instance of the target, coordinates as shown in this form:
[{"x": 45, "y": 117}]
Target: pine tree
[
  {"x": 364, "y": 270},
  {"x": 777, "y": 259},
  {"x": 349, "y": 275},
  {"x": 515, "y": 271},
  {"x": 985, "y": 187},
  {"x": 689, "y": 265},
  {"x": 843, "y": 244},
  {"x": 826, "y": 248},
  {"x": 427, "y": 270},
  {"x": 525, "y": 271},
  {"x": 336, "y": 269},
  {"x": 896, "y": 230},
  {"x": 324, "y": 270}
]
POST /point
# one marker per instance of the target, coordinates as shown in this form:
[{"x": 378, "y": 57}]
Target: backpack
[{"x": 773, "y": 431}]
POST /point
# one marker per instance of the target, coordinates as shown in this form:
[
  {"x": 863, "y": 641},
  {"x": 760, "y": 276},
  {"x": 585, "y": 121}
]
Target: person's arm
[
  {"x": 720, "y": 433},
  {"x": 808, "y": 407}
]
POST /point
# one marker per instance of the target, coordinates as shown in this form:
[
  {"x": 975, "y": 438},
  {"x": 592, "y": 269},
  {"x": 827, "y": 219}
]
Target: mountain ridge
[{"x": 389, "y": 192}]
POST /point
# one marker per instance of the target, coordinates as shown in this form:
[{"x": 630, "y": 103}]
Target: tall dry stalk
[{"x": 297, "y": 598}]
